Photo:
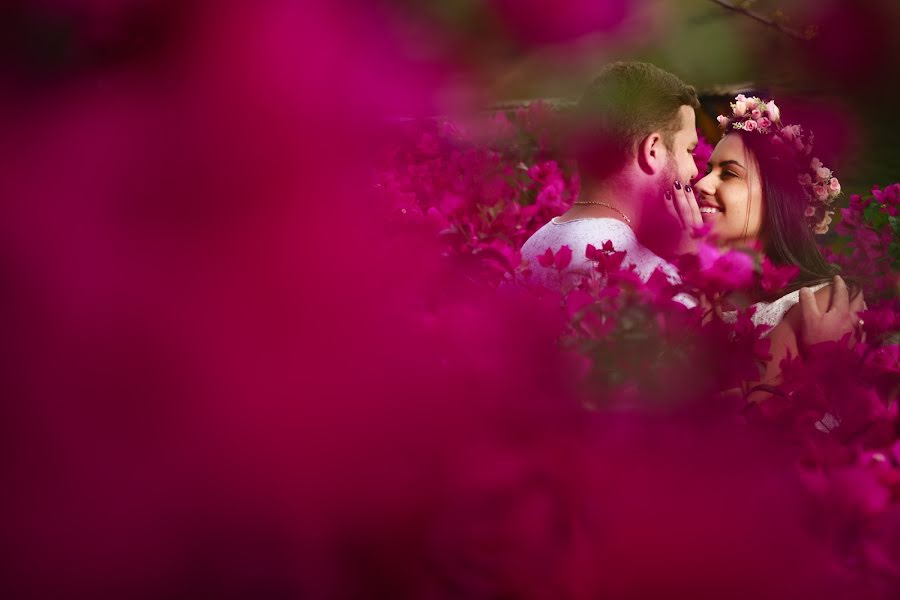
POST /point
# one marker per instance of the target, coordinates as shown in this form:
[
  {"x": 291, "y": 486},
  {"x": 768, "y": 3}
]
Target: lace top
[{"x": 771, "y": 313}]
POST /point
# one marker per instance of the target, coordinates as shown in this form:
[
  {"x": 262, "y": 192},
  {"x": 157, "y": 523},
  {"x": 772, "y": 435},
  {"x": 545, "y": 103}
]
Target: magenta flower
[
  {"x": 730, "y": 270},
  {"x": 776, "y": 277},
  {"x": 563, "y": 258},
  {"x": 546, "y": 259},
  {"x": 560, "y": 260}
]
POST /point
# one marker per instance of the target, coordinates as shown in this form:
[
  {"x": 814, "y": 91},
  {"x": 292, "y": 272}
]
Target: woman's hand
[
  {"x": 683, "y": 207},
  {"x": 841, "y": 318}
]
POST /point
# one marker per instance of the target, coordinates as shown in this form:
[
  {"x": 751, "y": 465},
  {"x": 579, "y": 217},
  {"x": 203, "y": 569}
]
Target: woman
[{"x": 763, "y": 187}]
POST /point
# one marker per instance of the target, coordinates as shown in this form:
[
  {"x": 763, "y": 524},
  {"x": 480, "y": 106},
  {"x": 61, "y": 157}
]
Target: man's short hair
[{"x": 624, "y": 104}]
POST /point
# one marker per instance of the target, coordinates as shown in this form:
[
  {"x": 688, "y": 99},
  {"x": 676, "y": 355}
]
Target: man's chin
[{"x": 660, "y": 231}]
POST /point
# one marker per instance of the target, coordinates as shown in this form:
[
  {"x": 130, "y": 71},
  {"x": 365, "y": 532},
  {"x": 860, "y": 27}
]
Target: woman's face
[{"x": 730, "y": 194}]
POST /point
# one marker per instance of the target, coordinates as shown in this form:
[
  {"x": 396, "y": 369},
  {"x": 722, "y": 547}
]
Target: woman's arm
[{"x": 826, "y": 315}]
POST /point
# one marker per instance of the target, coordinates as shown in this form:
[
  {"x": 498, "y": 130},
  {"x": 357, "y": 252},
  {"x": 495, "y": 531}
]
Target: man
[{"x": 637, "y": 134}]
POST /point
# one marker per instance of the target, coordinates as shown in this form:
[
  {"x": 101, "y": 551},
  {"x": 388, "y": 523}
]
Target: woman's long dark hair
[{"x": 788, "y": 237}]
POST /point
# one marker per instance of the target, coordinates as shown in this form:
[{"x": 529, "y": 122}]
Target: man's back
[{"x": 577, "y": 234}]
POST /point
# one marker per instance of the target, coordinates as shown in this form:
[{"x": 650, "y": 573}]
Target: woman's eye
[{"x": 727, "y": 174}]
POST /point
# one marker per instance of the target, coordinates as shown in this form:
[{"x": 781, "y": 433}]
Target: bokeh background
[{"x": 224, "y": 376}]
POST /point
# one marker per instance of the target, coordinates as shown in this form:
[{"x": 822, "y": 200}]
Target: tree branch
[{"x": 762, "y": 19}]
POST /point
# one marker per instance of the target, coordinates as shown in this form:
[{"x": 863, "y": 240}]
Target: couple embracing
[{"x": 763, "y": 188}]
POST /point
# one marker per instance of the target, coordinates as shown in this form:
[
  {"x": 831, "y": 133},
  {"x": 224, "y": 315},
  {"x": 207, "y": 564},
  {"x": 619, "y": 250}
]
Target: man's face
[
  {"x": 681, "y": 156},
  {"x": 680, "y": 166}
]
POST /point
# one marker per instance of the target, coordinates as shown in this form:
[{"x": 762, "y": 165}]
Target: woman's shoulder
[
  {"x": 783, "y": 309},
  {"x": 822, "y": 293}
]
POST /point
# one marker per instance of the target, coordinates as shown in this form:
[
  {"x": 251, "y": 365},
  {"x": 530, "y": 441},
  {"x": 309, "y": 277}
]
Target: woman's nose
[{"x": 705, "y": 185}]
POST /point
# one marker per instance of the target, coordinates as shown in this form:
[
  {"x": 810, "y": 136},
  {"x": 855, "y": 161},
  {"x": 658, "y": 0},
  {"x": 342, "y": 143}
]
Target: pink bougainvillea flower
[
  {"x": 563, "y": 258},
  {"x": 730, "y": 270},
  {"x": 546, "y": 259},
  {"x": 776, "y": 277},
  {"x": 607, "y": 259}
]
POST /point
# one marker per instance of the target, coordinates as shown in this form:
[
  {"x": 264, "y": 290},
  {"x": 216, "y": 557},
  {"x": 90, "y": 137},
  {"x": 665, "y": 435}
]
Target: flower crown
[{"x": 818, "y": 182}]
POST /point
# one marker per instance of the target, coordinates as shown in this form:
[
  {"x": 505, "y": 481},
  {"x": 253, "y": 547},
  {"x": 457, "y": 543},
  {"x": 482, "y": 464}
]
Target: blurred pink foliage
[
  {"x": 548, "y": 21},
  {"x": 239, "y": 366},
  {"x": 870, "y": 228}
]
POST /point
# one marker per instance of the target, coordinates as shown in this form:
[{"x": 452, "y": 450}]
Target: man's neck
[{"x": 610, "y": 199}]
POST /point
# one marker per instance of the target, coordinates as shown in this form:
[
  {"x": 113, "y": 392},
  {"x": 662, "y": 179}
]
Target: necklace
[{"x": 605, "y": 205}]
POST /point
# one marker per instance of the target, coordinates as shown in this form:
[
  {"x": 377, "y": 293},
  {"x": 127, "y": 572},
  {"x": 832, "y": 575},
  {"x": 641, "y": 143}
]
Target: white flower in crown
[
  {"x": 773, "y": 111},
  {"x": 821, "y": 227},
  {"x": 791, "y": 132}
]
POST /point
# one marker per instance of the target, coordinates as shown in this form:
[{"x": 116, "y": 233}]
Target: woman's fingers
[
  {"x": 692, "y": 203},
  {"x": 670, "y": 207},
  {"x": 840, "y": 297},
  {"x": 858, "y": 303},
  {"x": 808, "y": 307},
  {"x": 685, "y": 214}
]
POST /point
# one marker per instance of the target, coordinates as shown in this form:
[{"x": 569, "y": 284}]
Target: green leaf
[
  {"x": 894, "y": 251},
  {"x": 895, "y": 225},
  {"x": 875, "y": 216}
]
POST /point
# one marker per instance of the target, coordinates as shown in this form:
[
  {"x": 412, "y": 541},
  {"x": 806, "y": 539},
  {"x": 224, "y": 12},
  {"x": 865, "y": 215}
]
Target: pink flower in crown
[
  {"x": 810, "y": 211},
  {"x": 764, "y": 123},
  {"x": 756, "y": 113},
  {"x": 815, "y": 164},
  {"x": 723, "y": 120},
  {"x": 823, "y": 173},
  {"x": 750, "y": 126},
  {"x": 821, "y": 191},
  {"x": 773, "y": 111},
  {"x": 805, "y": 179},
  {"x": 740, "y": 108},
  {"x": 834, "y": 185},
  {"x": 740, "y": 98}
]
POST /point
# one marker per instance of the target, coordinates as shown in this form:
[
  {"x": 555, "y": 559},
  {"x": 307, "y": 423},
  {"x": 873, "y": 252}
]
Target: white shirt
[{"x": 577, "y": 234}]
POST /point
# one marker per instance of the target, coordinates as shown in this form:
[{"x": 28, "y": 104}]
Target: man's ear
[{"x": 651, "y": 154}]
